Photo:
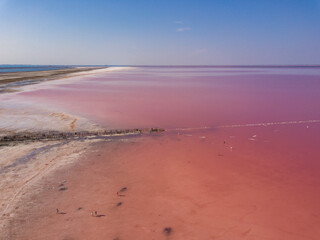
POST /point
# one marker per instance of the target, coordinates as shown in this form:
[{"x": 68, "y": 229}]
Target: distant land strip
[
  {"x": 248, "y": 125},
  {"x": 13, "y": 79},
  {"x": 226, "y": 66},
  {"x": 269, "y": 124},
  {"x": 56, "y": 135}
]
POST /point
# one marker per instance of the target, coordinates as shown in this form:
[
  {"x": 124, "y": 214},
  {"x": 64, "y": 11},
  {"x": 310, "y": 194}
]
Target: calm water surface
[{"x": 190, "y": 97}]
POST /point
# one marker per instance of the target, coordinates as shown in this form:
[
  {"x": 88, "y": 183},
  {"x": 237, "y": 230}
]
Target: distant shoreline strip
[
  {"x": 269, "y": 124},
  {"x": 248, "y": 125},
  {"x": 225, "y": 66}
]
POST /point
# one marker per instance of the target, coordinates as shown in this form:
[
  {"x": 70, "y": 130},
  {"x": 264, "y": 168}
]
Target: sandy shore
[{"x": 24, "y": 165}]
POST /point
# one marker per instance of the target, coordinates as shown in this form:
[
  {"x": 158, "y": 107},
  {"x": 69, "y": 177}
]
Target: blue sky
[{"x": 159, "y": 32}]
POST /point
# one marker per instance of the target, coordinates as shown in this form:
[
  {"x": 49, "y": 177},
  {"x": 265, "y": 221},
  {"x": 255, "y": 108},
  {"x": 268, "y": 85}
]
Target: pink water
[
  {"x": 190, "y": 97},
  {"x": 253, "y": 182}
]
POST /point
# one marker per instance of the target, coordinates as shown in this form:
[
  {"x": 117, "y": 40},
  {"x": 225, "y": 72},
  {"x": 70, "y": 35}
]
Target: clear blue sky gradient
[{"x": 163, "y": 32}]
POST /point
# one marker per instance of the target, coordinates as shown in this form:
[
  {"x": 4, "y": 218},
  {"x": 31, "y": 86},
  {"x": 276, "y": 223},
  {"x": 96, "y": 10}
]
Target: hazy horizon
[{"x": 173, "y": 65}]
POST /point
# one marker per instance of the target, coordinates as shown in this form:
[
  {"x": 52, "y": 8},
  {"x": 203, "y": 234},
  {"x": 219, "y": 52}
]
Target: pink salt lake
[{"x": 251, "y": 135}]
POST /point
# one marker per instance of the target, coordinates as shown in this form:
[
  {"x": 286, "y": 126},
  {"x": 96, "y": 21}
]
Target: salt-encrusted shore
[{"x": 26, "y": 155}]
